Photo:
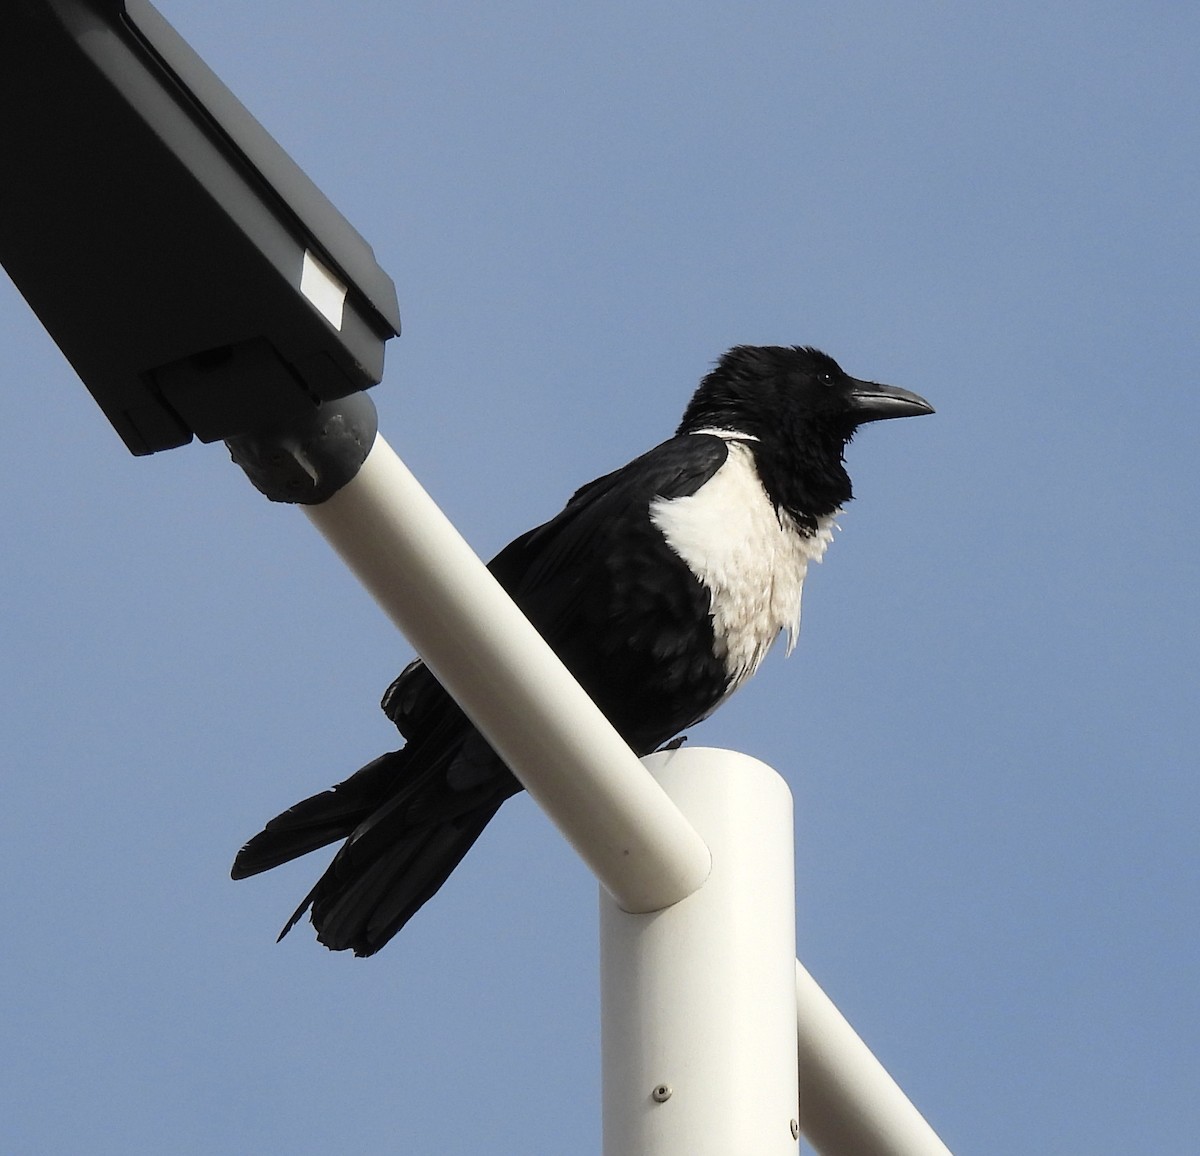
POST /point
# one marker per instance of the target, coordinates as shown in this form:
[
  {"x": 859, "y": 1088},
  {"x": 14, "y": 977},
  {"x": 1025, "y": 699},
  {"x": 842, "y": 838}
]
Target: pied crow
[{"x": 661, "y": 586}]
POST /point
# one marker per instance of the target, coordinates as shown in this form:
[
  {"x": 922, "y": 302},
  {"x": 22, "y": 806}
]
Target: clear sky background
[{"x": 990, "y": 724}]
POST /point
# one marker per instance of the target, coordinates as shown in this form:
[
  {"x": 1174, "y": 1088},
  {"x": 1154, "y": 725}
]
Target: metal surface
[
  {"x": 698, "y": 1001},
  {"x": 309, "y": 459},
  {"x": 849, "y": 1105},
  {"x": 707, "y": 1012}
]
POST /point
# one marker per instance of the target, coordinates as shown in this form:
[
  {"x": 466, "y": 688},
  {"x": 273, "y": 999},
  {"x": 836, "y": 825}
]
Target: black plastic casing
[{"x": 162, "y": 236}]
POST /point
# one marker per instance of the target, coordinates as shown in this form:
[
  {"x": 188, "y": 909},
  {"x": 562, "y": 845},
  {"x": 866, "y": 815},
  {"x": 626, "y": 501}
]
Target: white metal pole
[
  {"x": 483, "y": 650},
  {"x": 687, "y": 991},
  {"x": 849, "y": 1105},
  {"x": 698, "y": 1001}
]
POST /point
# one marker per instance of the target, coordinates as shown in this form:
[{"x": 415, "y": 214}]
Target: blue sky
[{"x": 989, "y": 724}]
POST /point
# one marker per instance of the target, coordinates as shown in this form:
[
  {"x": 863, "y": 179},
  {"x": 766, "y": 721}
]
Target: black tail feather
[
  {"x": 360, "y": 906},
  {"x": 405, "y": 833},
  {"x": 319, "y": 820}
]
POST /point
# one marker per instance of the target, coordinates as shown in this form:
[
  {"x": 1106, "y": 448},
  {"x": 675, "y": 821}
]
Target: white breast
[{"x": 751, "y": 559}]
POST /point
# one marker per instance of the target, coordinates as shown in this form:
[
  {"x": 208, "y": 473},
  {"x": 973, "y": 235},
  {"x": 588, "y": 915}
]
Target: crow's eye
[{"x": 825, "y": 378}]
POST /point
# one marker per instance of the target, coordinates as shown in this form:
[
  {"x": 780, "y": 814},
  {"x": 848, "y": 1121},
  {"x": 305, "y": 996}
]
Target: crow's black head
[{"x": 801, "y": 408}]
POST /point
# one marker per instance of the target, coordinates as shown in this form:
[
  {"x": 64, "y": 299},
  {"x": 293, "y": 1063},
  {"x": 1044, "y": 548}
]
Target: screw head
[
  {"x": 661, "y": 1093},
  {"x": 795, "y": 1129}
]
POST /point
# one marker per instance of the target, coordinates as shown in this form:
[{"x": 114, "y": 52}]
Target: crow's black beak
[{"x": 870, "y": 401}]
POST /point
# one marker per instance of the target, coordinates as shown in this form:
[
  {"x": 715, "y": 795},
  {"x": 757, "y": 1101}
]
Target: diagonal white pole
[
  {"x": 715, "y": 999},
  {"x": 849, "y": 1105},
  {"x": 510, "y": 683}
]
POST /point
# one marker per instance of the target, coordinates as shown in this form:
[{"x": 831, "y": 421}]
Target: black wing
[{"x": 626, "y": 616}]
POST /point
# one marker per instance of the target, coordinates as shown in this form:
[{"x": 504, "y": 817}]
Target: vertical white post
[{"x": 699, "y": 999}]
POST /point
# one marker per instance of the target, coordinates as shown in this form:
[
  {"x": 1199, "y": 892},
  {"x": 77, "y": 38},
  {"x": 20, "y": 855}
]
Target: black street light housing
[{"x": 198, "y": 282}]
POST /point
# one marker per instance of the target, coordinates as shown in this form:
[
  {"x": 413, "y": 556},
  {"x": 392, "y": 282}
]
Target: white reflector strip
[{"x": 323, "y": 290}]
